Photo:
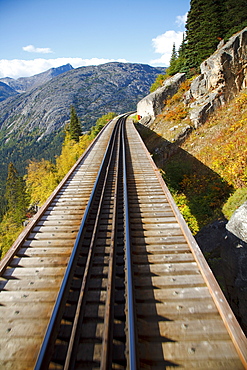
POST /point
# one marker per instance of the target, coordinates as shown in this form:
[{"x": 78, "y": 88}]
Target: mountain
[
  {"x": 32, "y": 123},
  {"x": 23, "y": 84},
  {"x": 93, "y": 90},
  {"x": 6, "y": 91}
]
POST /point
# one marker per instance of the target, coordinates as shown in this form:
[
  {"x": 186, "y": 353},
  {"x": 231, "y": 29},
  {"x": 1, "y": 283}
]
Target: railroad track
[{"x": 108, "y": 275}]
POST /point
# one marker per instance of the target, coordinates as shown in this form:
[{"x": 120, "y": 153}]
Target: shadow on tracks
[{"x": 146, "y": 316}]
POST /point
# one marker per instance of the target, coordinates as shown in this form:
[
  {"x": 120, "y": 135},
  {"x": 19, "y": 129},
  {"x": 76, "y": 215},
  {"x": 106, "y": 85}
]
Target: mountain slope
[{"x": 93, "y": 90}]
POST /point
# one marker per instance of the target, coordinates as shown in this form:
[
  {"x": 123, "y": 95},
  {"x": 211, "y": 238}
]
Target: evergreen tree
[
  {"x": 207, "y": 23},
  {"x": 177, "y": 61},
  {"x": 181, "y": 61},
  {"x": 173, "y": 62},
  {"x": 75, "y": 128},
  {"x": 204, "y": 30},
  {"x": 12, "y": 187},
  {"x": 17, "y": 200},
  {"x": 235, "y": 17}
]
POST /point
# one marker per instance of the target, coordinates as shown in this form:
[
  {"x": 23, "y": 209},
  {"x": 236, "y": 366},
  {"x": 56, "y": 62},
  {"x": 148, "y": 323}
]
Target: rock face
[
  {"x": 150, "y": 106},
  {"x": 223, "y": 74},
  {"x": 238, "y": 223}
]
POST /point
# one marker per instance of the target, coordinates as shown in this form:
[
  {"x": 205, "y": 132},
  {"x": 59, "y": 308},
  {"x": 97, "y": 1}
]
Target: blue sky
[{"x": 37, "y": 35}]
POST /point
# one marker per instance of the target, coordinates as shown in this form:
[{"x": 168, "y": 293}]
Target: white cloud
[
  {"x": 181, "y": 20},
  {"x": 24, "y": 68},
  {"x": 163, "y": 45},
  {"x": 33, "y": 49}
]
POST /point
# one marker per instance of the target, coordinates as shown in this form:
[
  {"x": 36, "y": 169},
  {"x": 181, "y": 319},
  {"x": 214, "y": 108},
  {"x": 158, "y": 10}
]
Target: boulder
[{"x": 150, "y": 106}]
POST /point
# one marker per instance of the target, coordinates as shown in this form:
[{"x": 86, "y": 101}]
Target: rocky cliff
[{"x": 223, "y": 74}]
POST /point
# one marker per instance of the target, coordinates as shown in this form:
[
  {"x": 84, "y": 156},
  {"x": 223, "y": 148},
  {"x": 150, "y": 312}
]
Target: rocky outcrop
[
  {"x": 150, "y": 106},
  {"x": 223, "y": 74}
]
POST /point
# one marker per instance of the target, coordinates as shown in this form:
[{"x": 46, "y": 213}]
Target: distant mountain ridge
[
  {"x": 93, "y": 90},
  {"x": 24, "y": 84}
]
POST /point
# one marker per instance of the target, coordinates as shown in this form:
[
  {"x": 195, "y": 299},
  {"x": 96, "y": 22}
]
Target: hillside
[
  {"x": 209, "y": 164},
  {"x": 203, "y": 121},
  {"x": 196, "y": 130},
  {"x": 31, "y": 123}
]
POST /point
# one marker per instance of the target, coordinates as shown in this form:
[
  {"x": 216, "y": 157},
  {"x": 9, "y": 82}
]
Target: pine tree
[
  {"x": 17, "y": 200},
  {"x": 12, "y": 187},
  {"x": 177, "y": 61},
  {"x": 235, "y": 17},
  {"x": 181, "y": 61},
  {"x": 204, "y": 30},
  {"x": 75, "y": 128},
  {"x": 173, "y": 62}
]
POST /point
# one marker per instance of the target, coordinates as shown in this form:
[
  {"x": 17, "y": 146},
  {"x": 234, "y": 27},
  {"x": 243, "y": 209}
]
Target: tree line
[{"x": 24, "y": 194}]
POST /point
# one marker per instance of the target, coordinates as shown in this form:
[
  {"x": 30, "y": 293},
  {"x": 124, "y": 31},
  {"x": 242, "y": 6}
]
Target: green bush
[
  {"x": 234, "y": 201},
  {"x": 158, "y": 82}
]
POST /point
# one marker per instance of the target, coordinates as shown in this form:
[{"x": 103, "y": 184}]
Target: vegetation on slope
[
  {"x": 221, "y": 144},
  {"x": 207, "y": 173}
]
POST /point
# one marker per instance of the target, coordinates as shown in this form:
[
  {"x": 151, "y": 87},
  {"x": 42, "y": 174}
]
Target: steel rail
[
  {"x": 130, "y": 294},
  {"x": 47, "y": 347},
  {"x": 108, "y": 319},
  {"x": 74, "y": 339}
]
